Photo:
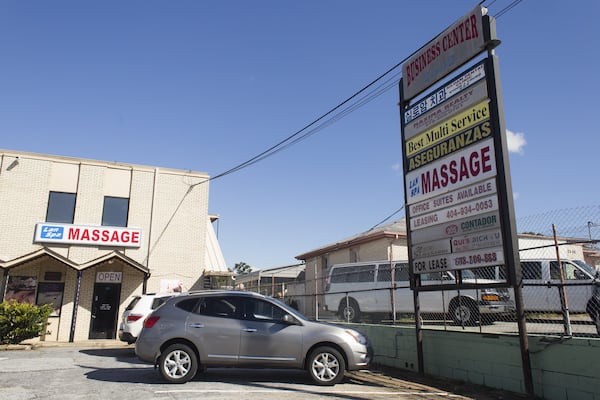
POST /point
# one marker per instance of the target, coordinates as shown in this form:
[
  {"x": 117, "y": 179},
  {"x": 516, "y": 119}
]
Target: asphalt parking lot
[{"x": 110, "y": 370}]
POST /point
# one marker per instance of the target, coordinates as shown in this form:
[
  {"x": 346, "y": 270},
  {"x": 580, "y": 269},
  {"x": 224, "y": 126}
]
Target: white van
[
  {"x": 364, "y": 288},
  {"x": 541, "y": 284}
]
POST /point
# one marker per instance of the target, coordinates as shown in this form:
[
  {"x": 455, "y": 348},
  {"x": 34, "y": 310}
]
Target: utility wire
[
  {"x": 507, "y": 9},
  {"x": 330, "y": 117},
  {"x": 338, "y": 112},
  {"x": 315, "y": 125}
]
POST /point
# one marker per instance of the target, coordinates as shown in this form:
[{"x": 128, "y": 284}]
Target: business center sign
[{"x": 451, "y": 150}]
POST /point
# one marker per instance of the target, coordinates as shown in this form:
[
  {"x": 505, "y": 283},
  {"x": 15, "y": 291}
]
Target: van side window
[
  {"x": 339, "y": 275},
  {"x": 384, "y": 273},
  {"x": 571, "y": 271},
  {"x": 401, "y": 272},
  {"x": 364, "y": 273},
  {"x": 531, "y": 269},
  {"x": 357, "y": 273}
]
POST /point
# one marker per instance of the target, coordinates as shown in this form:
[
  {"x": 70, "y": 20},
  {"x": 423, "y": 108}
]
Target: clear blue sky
[{"x": 207, "y": 85}]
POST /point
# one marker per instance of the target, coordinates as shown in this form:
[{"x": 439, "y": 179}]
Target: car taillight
[
  {"x": 150, "y": 321},
  {"x": 133, "y": 317}
]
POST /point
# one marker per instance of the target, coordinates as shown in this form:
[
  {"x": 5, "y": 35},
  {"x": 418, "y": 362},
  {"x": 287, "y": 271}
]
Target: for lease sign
[{"x": 90, "y": 235}]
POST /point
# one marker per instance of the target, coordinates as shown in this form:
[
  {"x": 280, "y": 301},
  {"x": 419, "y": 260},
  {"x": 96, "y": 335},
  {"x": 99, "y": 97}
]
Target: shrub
[{"x": 22, "y": 321}]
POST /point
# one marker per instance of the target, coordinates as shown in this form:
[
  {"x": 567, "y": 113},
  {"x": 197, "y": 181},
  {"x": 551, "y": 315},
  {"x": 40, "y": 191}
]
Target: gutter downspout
[{"x": 154, "y": 186}]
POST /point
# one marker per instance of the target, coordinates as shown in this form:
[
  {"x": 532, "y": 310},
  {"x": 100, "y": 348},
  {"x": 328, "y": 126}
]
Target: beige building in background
[
  {"x": 86, "y": 235},
  {"x": 387, "y": 242}
]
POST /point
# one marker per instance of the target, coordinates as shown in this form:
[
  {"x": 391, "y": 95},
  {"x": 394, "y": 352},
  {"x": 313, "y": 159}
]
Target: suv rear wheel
[
  {"x": 326, "y": 366},
  {"x": 178, "y": 363}
]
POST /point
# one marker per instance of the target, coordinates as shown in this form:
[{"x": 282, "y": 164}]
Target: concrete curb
[{"x": 90, "y": 344}]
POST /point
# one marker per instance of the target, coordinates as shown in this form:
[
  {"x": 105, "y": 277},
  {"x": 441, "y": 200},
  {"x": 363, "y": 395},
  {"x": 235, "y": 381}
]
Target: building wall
[{"x": 169, "y": 206}]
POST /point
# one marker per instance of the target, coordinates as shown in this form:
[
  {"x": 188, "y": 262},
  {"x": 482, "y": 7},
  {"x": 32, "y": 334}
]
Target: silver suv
[{"x": 197, "y": 330}]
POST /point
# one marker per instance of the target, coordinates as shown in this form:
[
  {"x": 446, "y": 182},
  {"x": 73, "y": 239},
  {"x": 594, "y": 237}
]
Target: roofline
[
  {"x": 44, "y": 251},
  {"x": 352, "y": 242},
  {"x": 115, "y": 254},
  {"x": 87, "y": 161}
]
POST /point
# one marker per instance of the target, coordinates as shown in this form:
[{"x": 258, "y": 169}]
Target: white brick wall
[{"x": 168, "y": 205}]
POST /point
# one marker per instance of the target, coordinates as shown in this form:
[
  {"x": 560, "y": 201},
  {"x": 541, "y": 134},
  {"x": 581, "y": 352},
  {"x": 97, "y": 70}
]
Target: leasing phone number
[{"x": 492, "y": 256}]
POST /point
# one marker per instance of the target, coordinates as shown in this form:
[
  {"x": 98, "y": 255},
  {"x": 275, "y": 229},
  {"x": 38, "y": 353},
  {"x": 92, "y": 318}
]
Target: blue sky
[{"x": 207, "y": 85}]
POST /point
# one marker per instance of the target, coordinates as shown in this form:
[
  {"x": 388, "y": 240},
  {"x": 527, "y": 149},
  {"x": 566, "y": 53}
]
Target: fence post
[
  {"x": 564, "y": 305},
  {"x": 346, "y": 311}
]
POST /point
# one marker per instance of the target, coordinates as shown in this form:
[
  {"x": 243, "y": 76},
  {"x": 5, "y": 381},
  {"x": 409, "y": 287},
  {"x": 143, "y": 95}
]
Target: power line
[
  {"x": 321, "y": 122},
  {"x": 507, "y": 8}
]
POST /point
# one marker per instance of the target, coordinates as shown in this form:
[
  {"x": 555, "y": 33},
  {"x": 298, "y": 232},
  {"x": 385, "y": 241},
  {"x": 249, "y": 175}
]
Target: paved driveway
[{"x": 113, "y": 373}]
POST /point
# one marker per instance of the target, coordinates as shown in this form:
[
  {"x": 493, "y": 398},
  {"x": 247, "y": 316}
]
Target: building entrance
[{"x": 105, "y": 306}]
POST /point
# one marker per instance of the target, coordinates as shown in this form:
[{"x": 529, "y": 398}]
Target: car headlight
[{"x": 360, "y": 338}]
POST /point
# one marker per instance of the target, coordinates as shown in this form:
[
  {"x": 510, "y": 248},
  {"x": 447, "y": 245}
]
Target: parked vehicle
[
  {"x": 139, "y": 308},
  {"x": 356, "y": 289},
  {"x": 542, "y": 284},
  {"x": 245, "y": 329}
]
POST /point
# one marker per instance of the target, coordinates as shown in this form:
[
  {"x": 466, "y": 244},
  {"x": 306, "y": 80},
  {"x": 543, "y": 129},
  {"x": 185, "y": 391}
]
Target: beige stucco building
[
  {"x": 387, "y": 242},
  {"x": 86, "y": 235}
]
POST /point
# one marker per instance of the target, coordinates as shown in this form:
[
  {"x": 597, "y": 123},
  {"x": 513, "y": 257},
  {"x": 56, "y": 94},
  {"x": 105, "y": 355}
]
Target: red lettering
[
  {"x": 486, "y": 159},
  {"x": 74, "y": 234},
  {"x": 85, "y": 235},
  {"x": 115, "y": 237},
  {"x": 455, "y": 171},
  {"x": 95, "y": 234},
  {"x": 125, "y": 237},
  {"x": 135, "y": 237},
  {"x": 474, "y": 32}
]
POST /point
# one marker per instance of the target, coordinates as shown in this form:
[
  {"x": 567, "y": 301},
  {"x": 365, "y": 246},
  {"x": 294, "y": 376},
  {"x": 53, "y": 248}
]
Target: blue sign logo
[{"x": 52, "y": 232}]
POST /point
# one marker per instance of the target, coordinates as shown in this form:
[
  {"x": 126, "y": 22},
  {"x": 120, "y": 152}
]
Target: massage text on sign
[
  {"x": 81, "y": 234},
  {"x": 476, "y": 163}
]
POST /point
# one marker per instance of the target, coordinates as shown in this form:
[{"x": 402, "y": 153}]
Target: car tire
[
  {"x": 464, "y": 312},
  {"x": 326, "y": 366},
  {"x": 178, "y": 363},
  {"x": 349, "y": 312}
]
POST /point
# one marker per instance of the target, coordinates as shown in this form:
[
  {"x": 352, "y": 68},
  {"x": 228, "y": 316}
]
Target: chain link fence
[{"x": 561, "y": 296}]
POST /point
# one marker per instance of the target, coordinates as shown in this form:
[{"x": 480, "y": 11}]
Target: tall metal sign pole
[{"x": 457, "y": 188}]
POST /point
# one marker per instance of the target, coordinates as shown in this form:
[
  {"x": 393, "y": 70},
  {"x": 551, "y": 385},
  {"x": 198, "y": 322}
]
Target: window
[
  {"x": 116, "y": 210},
  {"x": 531, "y": 270},
  {"x": 363, "y": 273},
  {"x": 229, "y": 307},
  {"x": 259, "y": 310},
  {"x": 400, "y": 272},
  {"x": 188, "y": 305},
  {"x": 61, "y": 207},
  {"x": 384, "y": 273},
  {"x": 571, "y": 271}
]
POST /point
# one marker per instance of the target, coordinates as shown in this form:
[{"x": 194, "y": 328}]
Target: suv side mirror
[{"x": 288, "y": 319}]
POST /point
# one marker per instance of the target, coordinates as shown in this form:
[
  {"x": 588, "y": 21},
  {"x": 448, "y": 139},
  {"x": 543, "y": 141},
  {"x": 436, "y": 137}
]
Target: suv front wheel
[
  {"x": 326, "y": 366},
  {"x": 178, "y": 363}
]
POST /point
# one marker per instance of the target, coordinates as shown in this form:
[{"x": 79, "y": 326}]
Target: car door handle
[
  {"x": 250, "y": 330},
  {"x": 196, "y": 325}
]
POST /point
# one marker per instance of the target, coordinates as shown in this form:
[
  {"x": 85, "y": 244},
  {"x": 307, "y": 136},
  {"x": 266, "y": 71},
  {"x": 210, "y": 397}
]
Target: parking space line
[{"x": 338, "y": 392}]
